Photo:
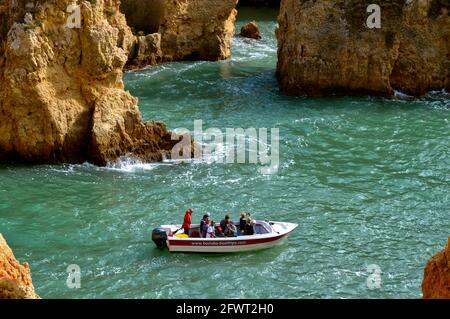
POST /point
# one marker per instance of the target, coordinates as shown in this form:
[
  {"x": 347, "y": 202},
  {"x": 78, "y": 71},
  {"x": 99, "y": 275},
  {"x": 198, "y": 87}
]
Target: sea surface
[{"x": 366, "y": 178}]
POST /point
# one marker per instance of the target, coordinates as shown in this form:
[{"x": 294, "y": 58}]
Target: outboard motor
[{"x": 159, "y": 237}]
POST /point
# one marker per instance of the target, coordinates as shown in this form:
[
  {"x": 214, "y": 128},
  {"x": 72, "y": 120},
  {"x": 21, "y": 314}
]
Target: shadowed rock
[
  {"x": 436, "y": 279},
  {"x": 325, "y": 47},
  {"x": 188, "y": 29},
  {"x": 251, "y": 30}
]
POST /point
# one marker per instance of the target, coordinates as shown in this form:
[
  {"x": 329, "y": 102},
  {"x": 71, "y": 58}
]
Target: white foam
[
  {"x": 402, "y": 95},
  {"x": 130, "y": 165}
]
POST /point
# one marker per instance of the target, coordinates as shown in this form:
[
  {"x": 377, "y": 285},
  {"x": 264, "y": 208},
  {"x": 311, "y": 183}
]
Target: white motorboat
[{"x": 267, "y": 234}]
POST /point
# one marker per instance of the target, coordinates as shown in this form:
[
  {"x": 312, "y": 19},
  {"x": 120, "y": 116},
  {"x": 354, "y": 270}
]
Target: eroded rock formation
[
  {"x": 15, "y": 279},
  {"x": 259, "y": 2},
  {"x": 145, "y": 52},
  {"x": 200, "y": 29},
  {"x": 436, "y": 279},
  {"x": 143, "y": 15},
  {"x": 62, "y": 97},
  {"x": 187, "y": 30},
  {"x": 251, "y": 30},
  {"x": 325, "y": 47}
]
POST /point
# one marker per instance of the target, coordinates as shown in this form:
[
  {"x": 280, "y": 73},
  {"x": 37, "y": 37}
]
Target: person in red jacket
[{"x": 187, "y": 221}]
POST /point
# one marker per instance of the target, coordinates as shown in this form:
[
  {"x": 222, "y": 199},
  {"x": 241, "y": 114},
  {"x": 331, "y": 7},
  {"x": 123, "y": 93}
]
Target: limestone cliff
[
  {"x": 258, "y": 3},
  {"x": 62, "y": 97},
  {"x": 172, "y": 30},
  {"x": 436, "y": 279},
  {"x": 325, "y": 47},
  {"x": 200, "y": 29},
  {"x": 15, "y": 279},
  {"x": 143, "y": 15}
]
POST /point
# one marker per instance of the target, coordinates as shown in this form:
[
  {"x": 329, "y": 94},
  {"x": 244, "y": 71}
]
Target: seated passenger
[
  {"x": 228, "y": 227},
  {"x": 210, "y": 229},
  {"x": 250, "y": 227},
  {"x": 224, "y": 222},
  {"x": 219, "y": 232},
  {"x": 242, "y": 223},
  {"x": 231, "y": 230}
]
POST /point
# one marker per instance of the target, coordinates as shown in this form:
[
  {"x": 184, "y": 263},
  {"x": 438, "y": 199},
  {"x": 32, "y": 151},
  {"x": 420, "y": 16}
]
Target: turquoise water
[{"x": 366, "y": 178}]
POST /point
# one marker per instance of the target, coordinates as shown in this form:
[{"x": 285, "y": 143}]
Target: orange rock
[
  {"x": 170, "y": 30},
  {"x": 62, "y": 96},
  {"x": 15, "y": 279},
  {"x": 251, "y": 30},
  {"x": 324, "y": 47},
  {"x": 436, "y": 279},
  {"x": 197, "y": 29},
  {"x": 145, "y": 52}
]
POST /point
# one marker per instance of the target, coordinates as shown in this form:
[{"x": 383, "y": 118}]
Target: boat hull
[{"x": 224, "y": 246}]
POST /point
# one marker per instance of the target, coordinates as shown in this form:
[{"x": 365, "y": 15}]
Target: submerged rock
[
  {"x": 325, "y": 47},
  {"x": 251, "y": 30},
  {"x": 436, "y": 279},
  {"x": 15, "y": 279},
  {"x": 62, "y": 97}
]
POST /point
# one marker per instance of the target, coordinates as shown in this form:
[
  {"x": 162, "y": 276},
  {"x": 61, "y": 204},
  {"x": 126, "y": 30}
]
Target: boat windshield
[{"x": 262, "y": 227}]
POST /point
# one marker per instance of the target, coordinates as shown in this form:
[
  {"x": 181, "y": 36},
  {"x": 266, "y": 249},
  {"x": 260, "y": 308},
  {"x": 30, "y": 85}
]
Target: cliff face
[
  {"x": 259, "y": 2},
  {"x": 186, "y": 30},
  {"x": 15, "y": 279},
  {"x": 143, "y": 15},
  {"x": 325, "y": 47},
  {"x": 200, "y": 29},
  {"x": 62, "y": 98},
  {"x": 436, "y": 279}
]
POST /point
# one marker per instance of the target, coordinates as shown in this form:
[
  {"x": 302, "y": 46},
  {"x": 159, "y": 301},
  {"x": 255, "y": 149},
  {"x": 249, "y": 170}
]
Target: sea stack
[
  {"x": 186, "y": 29},
  {"x": 436, "y": 279},
  {"x": 15, "y": 279},
  {"x": 338, "y": 47},
  {"x": 251, "y": 30}
]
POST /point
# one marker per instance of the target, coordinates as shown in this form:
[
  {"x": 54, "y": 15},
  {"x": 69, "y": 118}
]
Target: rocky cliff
[
  {"x": 436, "y": 279},
  {"x": 258, "y": 3},
  {"x": 15, "y": 279},
  {"x": 180, "y": 30},
  {"x": 326, "y": 47},
  {"x": 62, "y": 98},
  {"x": 200, "y": 29},
  {"x": 143, "y": 15}
]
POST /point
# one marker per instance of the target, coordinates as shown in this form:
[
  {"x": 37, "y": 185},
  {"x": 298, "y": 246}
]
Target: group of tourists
[{"x": 226, "y": 228}]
